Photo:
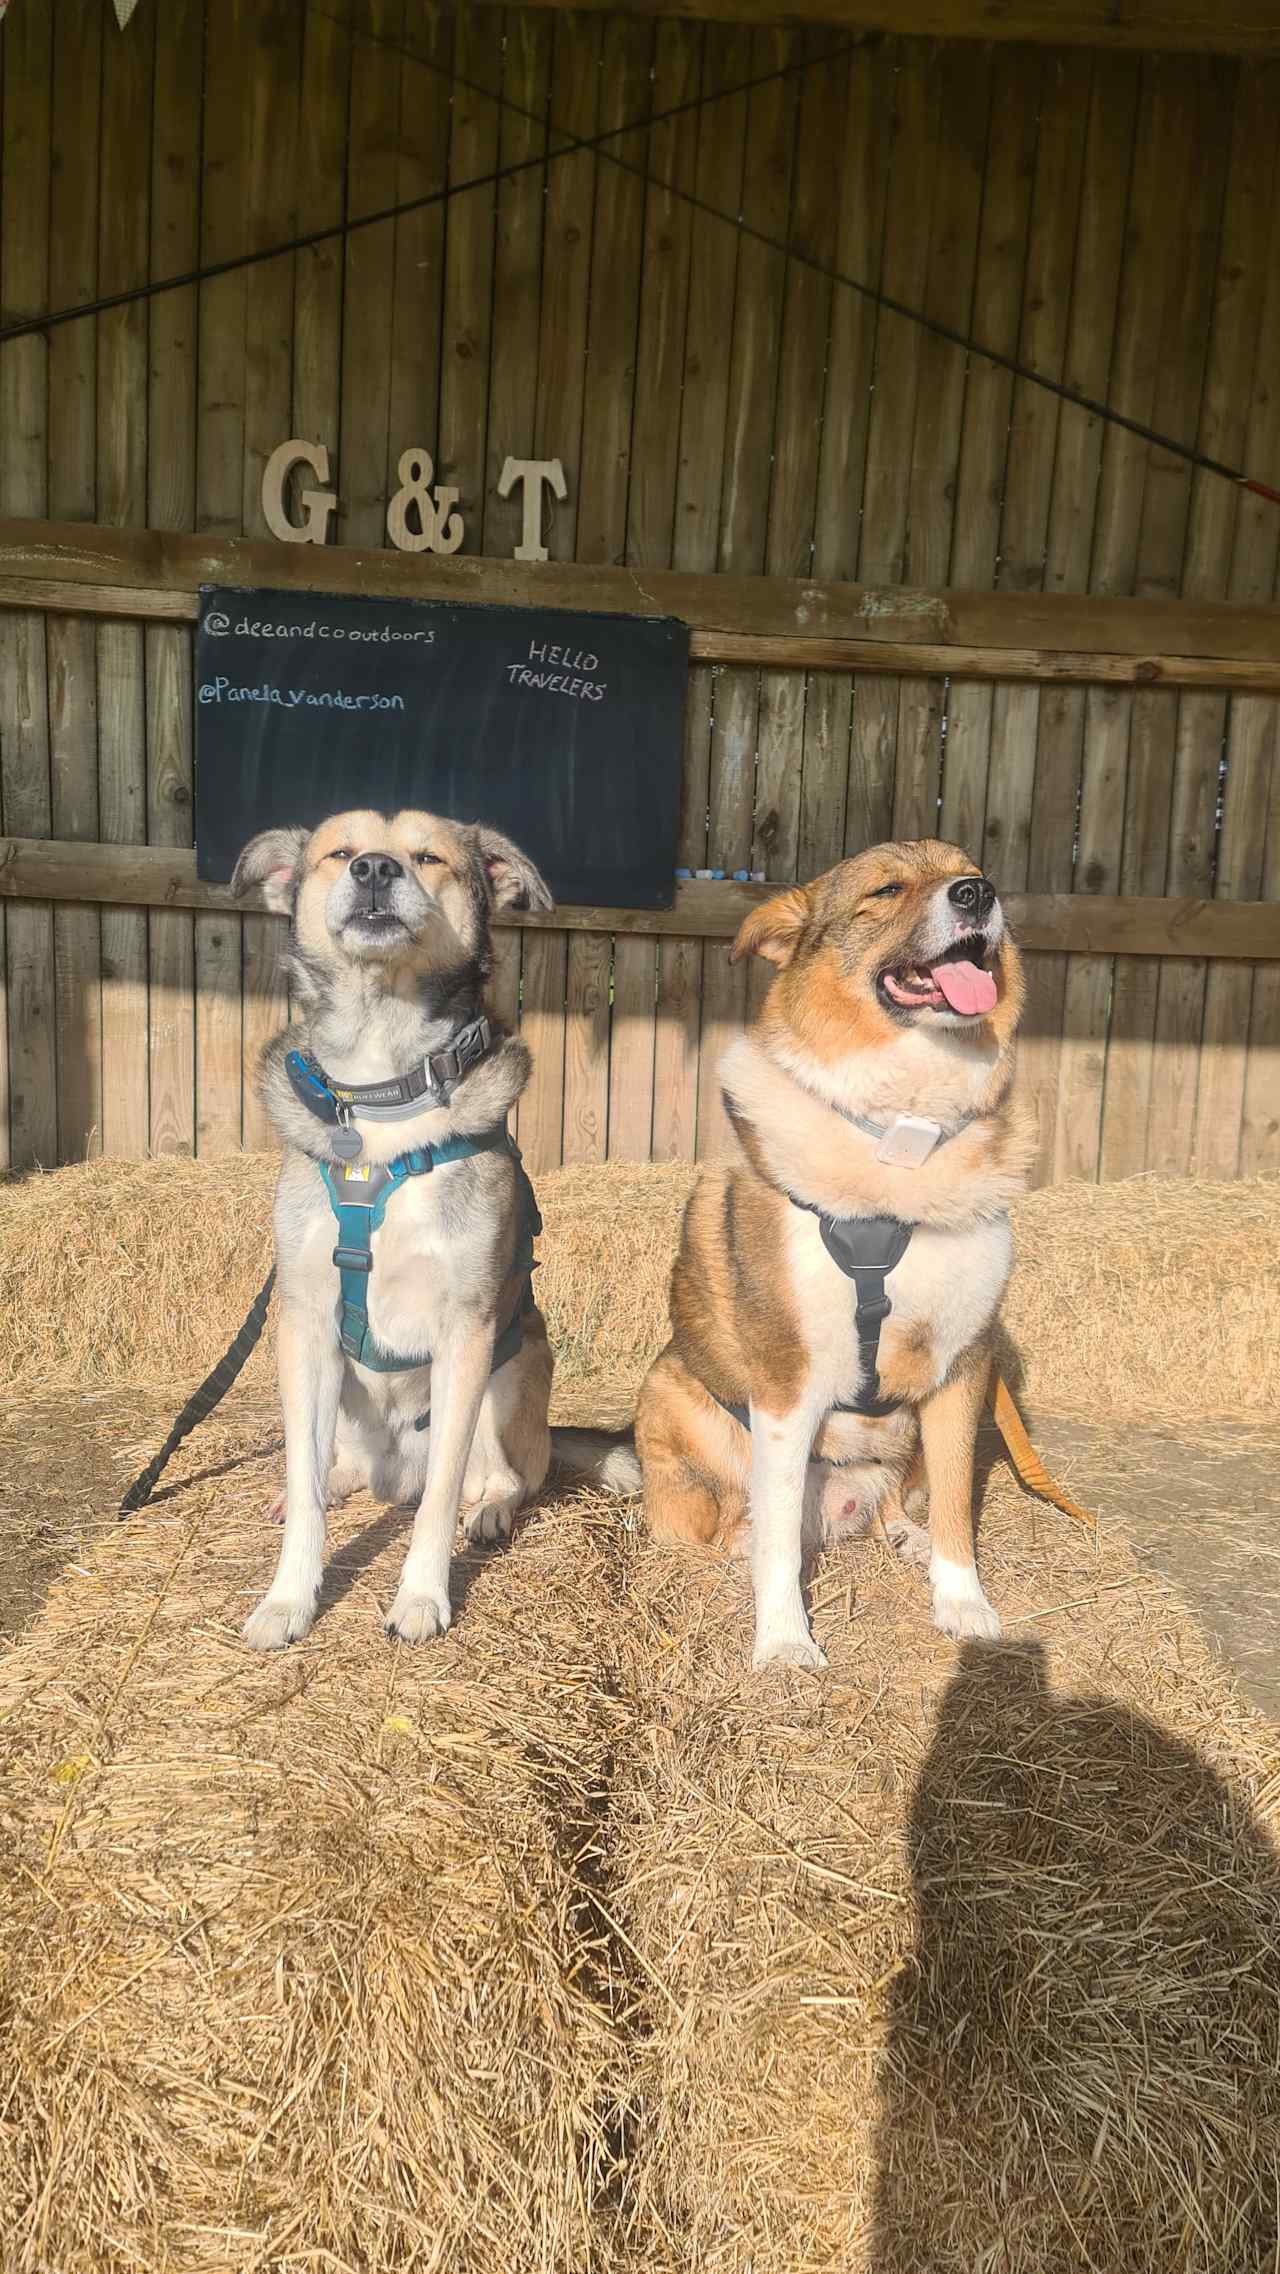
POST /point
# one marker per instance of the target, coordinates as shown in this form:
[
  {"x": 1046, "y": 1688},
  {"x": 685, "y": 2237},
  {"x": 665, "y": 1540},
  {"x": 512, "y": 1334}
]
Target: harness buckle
[
  {"x": 353, "y": 1259},
  {"x": 874, "y": 1309}
]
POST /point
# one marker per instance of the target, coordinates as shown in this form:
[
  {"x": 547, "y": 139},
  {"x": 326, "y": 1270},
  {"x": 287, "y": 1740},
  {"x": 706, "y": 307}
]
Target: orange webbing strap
[{"x": 1032, "y": 1472}]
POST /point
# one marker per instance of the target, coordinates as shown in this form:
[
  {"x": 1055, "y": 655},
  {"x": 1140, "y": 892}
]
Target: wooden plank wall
[{"x": 1111, "y": 219}]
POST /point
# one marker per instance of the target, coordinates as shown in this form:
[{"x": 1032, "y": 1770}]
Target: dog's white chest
[
  {"x": 948, "y": 1285},
  {"x": 409, "y": 1286}
]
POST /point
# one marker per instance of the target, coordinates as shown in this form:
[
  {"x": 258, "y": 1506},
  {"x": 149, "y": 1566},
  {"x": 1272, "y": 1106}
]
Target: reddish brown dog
[{"x": 876, "y": 1083}]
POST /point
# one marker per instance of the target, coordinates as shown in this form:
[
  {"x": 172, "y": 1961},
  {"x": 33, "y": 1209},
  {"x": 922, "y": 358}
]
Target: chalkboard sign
[{"x": 564, "y": 730}]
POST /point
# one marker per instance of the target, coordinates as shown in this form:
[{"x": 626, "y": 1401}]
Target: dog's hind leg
[
  {"x": 511, "y": 1449},
  {"x": 695, "y": 1461}
]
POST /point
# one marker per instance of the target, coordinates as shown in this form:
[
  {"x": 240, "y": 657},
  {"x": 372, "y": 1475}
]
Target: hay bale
[
  {"x": 955, "y": 1960},
  {"x": 1152, "y": 1297},
  {"x": 569, "y": 1944},
  {"x": 138, "y": 1272},
  {"x": 116, "y": 1272},
  {"x": 298, "y": 1961}
]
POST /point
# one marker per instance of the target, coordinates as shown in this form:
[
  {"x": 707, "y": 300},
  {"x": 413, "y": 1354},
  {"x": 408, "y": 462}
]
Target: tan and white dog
[
  {"x": 390, "y": 1096},
  {"x": 872, "y": 1102}
]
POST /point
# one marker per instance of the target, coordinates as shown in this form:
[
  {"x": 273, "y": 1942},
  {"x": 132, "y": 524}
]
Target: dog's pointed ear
[
  {"x": 773, "y": 929},
  {"x": 512, "y": 879},
  {"x": 273, "y": 860}
]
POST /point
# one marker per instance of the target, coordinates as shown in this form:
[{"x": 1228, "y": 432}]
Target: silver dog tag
[
  {"x": 908, "y": 1141},
  {"x": 347, "y": 1143}
]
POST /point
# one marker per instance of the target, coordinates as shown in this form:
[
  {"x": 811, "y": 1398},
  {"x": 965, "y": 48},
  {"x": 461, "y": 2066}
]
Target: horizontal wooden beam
[
  {"x": 1243, "y": 27},
  {"x": 776, "y": 650},
  {"x": 1229, "y": 675},
  {"x": 152, "y": 876},
  {"x": 156, "y": 563}
]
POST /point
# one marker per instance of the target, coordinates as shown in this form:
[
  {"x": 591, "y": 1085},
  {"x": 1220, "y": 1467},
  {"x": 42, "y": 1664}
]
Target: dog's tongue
[{"x": 967, "y": 987}]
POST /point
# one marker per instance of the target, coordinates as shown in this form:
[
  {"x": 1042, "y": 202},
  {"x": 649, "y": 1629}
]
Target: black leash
[{"x": 202, "y": 1401}]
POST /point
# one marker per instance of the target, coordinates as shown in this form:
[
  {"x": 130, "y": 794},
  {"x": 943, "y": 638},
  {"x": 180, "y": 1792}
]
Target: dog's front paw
[
  {"x": 416, "y": 1617},
  {"x": 278, "y": 1621},
  {"x": 788, "y": 1650},
  {"x": 960, "y": 1608}
]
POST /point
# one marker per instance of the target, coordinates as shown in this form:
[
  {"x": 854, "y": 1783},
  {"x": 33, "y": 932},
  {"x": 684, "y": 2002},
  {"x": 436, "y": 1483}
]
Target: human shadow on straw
[{"x": 1083, "y": 2065}]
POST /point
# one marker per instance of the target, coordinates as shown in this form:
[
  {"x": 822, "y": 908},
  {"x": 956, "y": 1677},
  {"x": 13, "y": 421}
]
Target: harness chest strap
[
  {"x": 866, "y": 1249},
  {"x": 358, "y": 1194}
]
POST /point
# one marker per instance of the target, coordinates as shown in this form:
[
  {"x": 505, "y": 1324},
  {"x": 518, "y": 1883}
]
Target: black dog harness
[{"x": 866, "y": 1248}]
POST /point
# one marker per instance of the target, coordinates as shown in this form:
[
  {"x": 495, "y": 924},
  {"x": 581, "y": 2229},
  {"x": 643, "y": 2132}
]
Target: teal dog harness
[{"x": 358, "y": 1194}]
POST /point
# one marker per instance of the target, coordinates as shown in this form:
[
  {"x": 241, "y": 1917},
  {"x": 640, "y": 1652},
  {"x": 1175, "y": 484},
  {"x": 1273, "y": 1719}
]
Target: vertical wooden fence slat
[
  {"x": 750, "y": 424},
  {"x": 651, "y": 511},
  {"x": 6, "y": 380},
  {"x": 1260, "y": 1126},
  {"x": 726, "y": 63},
  {"x": 984, "y": 438},
  {"x": 918, "y": 130},
  {"x": 558, "y": 423},
  {"x": 1257, "y": 538},
  {"x": 123, "y": 261},
  {"x": 517, "y": 273},
  {"x": 171, "y": 478},
  {"x": 220, "y": 398},
  {"x": 1240, "y": 872},
  {"x": 584, "y": 1126},
  {"x": 834, "y": 814},
  {"x": 417, "y": 297},
  {"x": 318, "y": 271},
  {"x": 513, "y": 364},
  {"x": 822, "y": 99},
  {"x": 71, "y": 647},
  {"x": 935, "y": 447},
  {"x": 617, "y": 243},
  {"x": 271, "y": 219},
  {"x": 566, "y": 982},
  {"x": 31, "y": 1129},
  {"x": 708, "y": 343},
  {"x": 617, "y": 240},
  {"x": 369, "y": 275},
  {"x": 1019, "y": 777},
  {"x": 513, "y": 373}
]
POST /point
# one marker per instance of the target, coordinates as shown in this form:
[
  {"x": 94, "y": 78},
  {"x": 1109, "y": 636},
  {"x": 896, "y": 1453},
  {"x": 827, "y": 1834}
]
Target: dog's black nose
[
  {"x": 972, "y": 895},
  {"x": 376, "y": 868}
]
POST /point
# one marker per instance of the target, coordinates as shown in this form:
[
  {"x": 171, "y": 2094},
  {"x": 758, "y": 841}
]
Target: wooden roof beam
[{"x": 1238, "y": 27}]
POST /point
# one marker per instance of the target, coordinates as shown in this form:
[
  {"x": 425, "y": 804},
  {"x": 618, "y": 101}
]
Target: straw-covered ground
[{"x": 567, "y": 1943}]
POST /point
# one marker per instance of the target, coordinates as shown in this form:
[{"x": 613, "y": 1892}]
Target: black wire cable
[{"x": 572, "y": 146}]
